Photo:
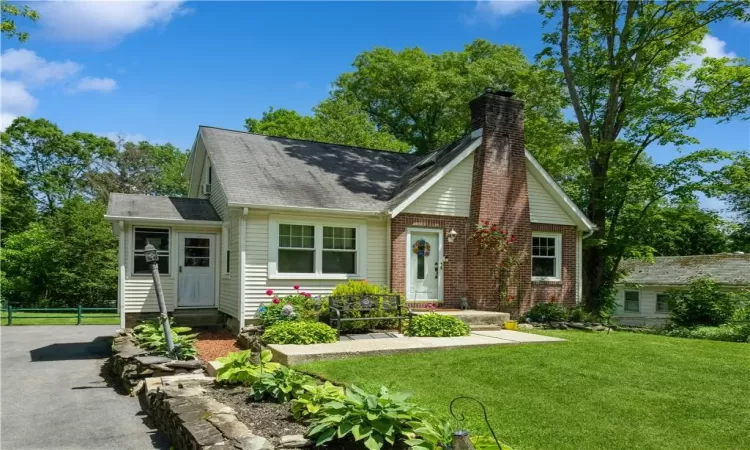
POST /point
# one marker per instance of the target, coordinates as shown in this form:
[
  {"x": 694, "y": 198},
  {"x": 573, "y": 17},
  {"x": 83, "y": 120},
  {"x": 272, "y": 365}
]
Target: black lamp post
[{"x": 152, "y": 258}]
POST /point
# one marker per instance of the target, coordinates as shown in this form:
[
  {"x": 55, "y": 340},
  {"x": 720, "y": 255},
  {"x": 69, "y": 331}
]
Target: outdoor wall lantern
[
  {"x": 452, "y": 235},
  {"x": 151, "y": 254}
]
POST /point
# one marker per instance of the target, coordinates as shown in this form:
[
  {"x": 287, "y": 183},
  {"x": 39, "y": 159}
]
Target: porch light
[
  {"x": 452, "y": 235},
  {"x": 151, "y": 254}
]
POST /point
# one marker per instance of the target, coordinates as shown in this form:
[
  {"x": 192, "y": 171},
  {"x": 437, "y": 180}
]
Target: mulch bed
[
  {"x": 213, "y": 343},
  {"x": 270, "y": 420}
]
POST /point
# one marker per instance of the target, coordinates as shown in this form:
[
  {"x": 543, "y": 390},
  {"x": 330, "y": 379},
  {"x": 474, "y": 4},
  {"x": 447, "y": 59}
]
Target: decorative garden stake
[
  {"x": 152, "y": 258},
  {"x": 461, "y": 439}
]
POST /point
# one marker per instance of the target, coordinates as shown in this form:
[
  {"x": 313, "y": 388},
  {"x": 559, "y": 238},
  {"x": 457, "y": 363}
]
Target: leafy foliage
[
  {"x": 150, "y": 335},
  {"x": 579, "y": 314},
  {"x": 8, "y": 26},
  {"x": 363, "y": 420},
  {"x": 17, "y": 206},
  {"x": 281, "y": 386},
  {"x": 546, "y": 312},
  {"x": 237, "y": 367},
  {"x": 302, "y": 333},
  {"x": 725, "y": 332},
  {"x": 437, "y": 325},
  {"x": 309, "y": 402},
  {"x": 360, "y": 287},
  {"x": 295, "y": 307},
  {"x": 702, "y": 302}
]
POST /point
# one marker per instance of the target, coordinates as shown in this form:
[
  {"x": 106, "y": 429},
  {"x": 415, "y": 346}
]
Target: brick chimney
[{"x": 499, "y": 194}]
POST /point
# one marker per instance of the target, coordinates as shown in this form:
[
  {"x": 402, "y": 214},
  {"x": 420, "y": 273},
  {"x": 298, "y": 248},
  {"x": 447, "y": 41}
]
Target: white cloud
[
  {"x": 16, "y": 101},
  {"x": 713, "y": 48},
  {"x": 105, "y": 21},
  {"x": 499, "y": 8},
  {"x": 33, "y": 69},
  {"x": 94, "y": 84}
]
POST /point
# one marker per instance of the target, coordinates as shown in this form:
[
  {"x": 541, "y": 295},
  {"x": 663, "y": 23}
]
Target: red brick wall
[
  {"x": 565, "y": 290},
  {"x": 499, "y": 192},
  {"x": 454, "y": 282}
]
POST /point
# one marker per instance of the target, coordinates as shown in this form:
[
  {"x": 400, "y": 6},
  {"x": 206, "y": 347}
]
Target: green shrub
[
  {"x": 308, "y": 404},
  {"x": 280, "y": 386},
  {"x": 150, "y": 336},
  {"x": 702, "y": 303},
  {"x": 437, "y": 325},
  {"x": 295, "y": 307},
  {"x": 726, "y": 332},
  {"x": 362, "y": 420},
  {"x": 578, "y": 314},
  {"x": 360, "y": 287},
  {"x": 302, "y": 333},
  {"x": 238, "y": 369},
  {"x": 545, "y": 312}
]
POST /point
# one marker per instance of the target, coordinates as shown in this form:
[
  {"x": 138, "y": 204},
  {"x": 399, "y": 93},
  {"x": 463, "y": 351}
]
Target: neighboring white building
[{"x": 643, "y": 295}]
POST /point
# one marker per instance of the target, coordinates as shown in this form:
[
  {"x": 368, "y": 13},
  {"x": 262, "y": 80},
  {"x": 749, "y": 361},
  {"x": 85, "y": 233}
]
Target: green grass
[
  {"x": 597, "y": 391},
  {"x": 64, "y": 318}
]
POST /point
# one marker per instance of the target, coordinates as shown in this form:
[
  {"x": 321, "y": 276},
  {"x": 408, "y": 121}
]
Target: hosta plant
[
  {"x": 237, "y": 367},
  {"x": 309, "y": 403},
  {"x": 362, "y": 420},
  {"x": 301, "y": 333},
  {"x": 433, "y": 433},
  {"x": 150, "y": 336},
  {"x": 280, "y": 386},
  {"x": 436, "y": 325}
]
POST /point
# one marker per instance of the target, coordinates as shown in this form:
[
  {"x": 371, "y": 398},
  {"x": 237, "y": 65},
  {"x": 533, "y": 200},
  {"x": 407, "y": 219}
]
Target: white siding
[
  {"x": 450, "y": 196},
  {"x": 256, "y": 264},
  {"x": 229, "y": 296},
  {"x": 139, "y": 290},
  {"x": 542, "y": 207},
  {"x": 647, "y": 314},
  {"x": 217, "y": 198}
]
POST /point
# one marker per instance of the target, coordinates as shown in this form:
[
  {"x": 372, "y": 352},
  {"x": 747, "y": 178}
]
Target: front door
[
  {"x": 197, "y": 271},
  {"x": 424, "y": 270}
]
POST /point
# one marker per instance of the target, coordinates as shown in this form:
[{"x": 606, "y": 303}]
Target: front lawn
[
  {"x": 59, "y": 318},
  {"x": 598, "y": 391}
]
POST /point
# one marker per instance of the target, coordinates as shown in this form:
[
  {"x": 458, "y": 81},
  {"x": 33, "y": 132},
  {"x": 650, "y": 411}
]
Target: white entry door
[
  {"x": 424, "y": 271},
  {"x": 197, "y": 271}
]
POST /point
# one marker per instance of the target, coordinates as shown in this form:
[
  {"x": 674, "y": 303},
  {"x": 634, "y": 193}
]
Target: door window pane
[
  {"x": 296, "y": 261},
  {"x": 420, "y": 267},
  {"x": 197, "y": 262}
]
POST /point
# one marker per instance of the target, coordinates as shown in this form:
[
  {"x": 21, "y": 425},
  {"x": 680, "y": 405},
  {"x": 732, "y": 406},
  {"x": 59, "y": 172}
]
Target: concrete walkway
[
  {"x": 53, "y": 397},
  {"x": 297, "y": 354}
]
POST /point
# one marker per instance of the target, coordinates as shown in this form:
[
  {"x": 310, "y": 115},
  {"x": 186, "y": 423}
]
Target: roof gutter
[
  {"x": 332, "y": 211},
  {"x": 157, "y": 220}
]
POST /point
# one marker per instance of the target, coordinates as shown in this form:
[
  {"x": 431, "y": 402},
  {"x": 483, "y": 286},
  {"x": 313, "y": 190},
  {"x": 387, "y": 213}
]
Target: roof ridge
[{"x": 309, "y": 140}]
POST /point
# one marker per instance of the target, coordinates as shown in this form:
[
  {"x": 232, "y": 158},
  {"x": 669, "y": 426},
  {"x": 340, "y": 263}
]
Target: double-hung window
[
  {"x": 546, "y": 258},
  {"x": 662, "y": 303},
  {"x": 632, "y": 301},
  {"x": 324, "y": 250},
  {"x": 159, "y": 238}
]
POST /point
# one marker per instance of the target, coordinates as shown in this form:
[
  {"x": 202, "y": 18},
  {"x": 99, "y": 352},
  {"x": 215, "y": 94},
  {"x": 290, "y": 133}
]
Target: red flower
[
  {"x": 486, "y": 222},
  {"x": 514, "y": 237},
  {"x": 296, "y": 286},
  {"x": 493, "y": 228},
  {"x": 269, "y": 292},
  {"x": 502, "y": 231},
  {"x": 276, "y": 301},
  {"x": 307, "y": 294}
]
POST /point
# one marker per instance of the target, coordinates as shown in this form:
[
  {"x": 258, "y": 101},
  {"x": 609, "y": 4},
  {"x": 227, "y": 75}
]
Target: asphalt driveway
[{"x": 53, "y": 396}]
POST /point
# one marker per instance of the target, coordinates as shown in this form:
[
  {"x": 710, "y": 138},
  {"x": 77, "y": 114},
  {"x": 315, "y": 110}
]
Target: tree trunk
[{"x": 594, "y": 257}]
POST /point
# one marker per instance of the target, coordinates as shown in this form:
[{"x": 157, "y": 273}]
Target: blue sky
[{"x": 156, "y": 70}]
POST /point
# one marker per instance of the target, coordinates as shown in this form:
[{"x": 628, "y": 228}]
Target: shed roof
[
  {"x": 135, "y": 206},
  {"x": 726, "y": 269}
]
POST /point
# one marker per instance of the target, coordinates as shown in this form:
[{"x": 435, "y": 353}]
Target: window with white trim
[
  {"x": 632, "y": 301},
  {"x": 662, "y": 303},
  {"x": 316, "y": 249},
  {"x": 546, "y": 258},
  {"x": 159, "y": 238}
]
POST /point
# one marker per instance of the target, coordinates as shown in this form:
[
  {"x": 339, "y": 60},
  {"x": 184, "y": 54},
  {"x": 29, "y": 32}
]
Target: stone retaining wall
[
  {"x": 132, "y": 364},
  {"x": 192, "y": 420}
]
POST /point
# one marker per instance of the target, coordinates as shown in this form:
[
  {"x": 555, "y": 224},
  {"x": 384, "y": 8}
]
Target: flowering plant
[
  {"x": 491, "y": 237},
  {"x": 296, "y": 306},
  {"x": 421, "y": 247}
]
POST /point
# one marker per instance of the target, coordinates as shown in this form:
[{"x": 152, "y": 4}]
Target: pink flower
[
  {"x": 276, "y": 301},
  {"x": 306, "y": 294},
  {"x": 296, "y": 286},
  {"x": 269, "y": 292}
]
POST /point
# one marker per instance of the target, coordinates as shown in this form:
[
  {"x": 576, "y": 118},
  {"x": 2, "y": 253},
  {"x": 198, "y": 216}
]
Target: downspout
[
  {"x": 388, "y": 262},
  {"x": 579, "y": 265},
  {"x": 121, "y": 274},
  {"x": 241, "y": 272}
]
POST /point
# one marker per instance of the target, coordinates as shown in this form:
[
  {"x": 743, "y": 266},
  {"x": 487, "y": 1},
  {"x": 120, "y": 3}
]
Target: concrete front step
[
  {"x": 483, "y": 327},
  {"x": 202, "y": 317},
  {"x": 474, "y": 317}
]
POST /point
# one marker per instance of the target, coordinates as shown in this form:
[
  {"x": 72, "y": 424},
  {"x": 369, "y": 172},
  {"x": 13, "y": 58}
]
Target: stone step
[
  {"x": 473, "y": 317},
  {"x": 203, "y": 317}
]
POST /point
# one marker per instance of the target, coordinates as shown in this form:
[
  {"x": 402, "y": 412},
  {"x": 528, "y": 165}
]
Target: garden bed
[
  {"x": 273, "y": 421},
  {"x": 213, "y": 343}
]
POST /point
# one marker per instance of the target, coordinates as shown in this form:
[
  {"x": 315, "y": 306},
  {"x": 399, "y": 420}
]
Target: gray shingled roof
[
  {"x": 725, "y": 269},
  {"x": 154, "y": 207},
  {"x": 271, "y": 171}
]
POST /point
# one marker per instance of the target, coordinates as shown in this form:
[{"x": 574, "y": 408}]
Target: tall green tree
[
  {"x": 422, "y": 98},
  {"x": 17, "y": 206},
  {"x": 67, "y": 258},
  {"x": 56, "y": 165},
  {"x": 736, "y": 190},
  {"x": 142, "y": 168},
  {"x": 630, "y": 87},
  {"x": 334, "y": 120},
  {"x": 8, "y": 26}
]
